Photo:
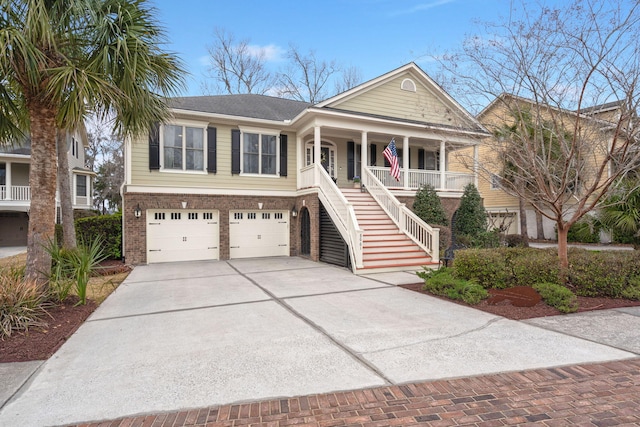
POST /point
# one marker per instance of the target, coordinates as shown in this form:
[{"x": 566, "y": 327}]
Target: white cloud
[
  {"x": 422, "y": 7},
  {"x": 271, "y": 52}
]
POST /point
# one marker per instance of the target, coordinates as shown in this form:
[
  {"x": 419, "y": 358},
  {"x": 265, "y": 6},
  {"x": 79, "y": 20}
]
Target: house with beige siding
[
  {"x": 15, "y": 191},
  {"x": 502, "y": 208},
  {"x": 242, "y": 176}
]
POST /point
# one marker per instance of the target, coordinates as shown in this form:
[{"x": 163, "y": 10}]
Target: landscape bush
[
  {"x": 557, "y": 296},
  {"x": 515, "y": 241},
  {"x": 604, "y": 273},
  {"x": 22, "y": 304},
  {"x": 441, "y": 282},
  {"x": 587, "y": 230},
  {"x": 487, "y": 267},
  {"x": 591, "y": 273},
  {"x": 428, "y": 206},
  {"x": 107, "y": 228}
]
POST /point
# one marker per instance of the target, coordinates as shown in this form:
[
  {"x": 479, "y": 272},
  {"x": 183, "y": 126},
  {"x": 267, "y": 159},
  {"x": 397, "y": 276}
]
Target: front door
[{"x": 327, "y": 157}]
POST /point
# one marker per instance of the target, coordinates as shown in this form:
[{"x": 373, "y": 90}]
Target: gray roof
[
  {"x": 602, "y": 107},
  {"x": 245, "y": 105},
  {"x": 17, "y": 147}
]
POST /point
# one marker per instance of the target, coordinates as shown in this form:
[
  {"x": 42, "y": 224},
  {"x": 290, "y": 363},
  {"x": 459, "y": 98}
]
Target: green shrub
[
  {"x": 587, "y": 230},
  {"x": 22, "y": 304},
  {"x": 82, "y": 261},
  {"x": 483, "y": 266},
  {"x": 515, "y": 241},
  {"x": 108, "y": 228},
  {"x": 632, "y": 291},
  {"x": 557, "y": 296},
  {"x": 428, "y": 206},
  {"x": 603, "y": 273},
  {"x": 505, "y": 267},
  {"x": 61, "y": 275},
  {"x": 442, "y": 283},
  {"x": 470, "y": 218}
]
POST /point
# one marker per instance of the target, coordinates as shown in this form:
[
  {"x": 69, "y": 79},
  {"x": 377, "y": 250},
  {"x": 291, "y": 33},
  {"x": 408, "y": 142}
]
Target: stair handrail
[
  {"x": 343, "y": 215},
  {"x": 422, "y": 234}
]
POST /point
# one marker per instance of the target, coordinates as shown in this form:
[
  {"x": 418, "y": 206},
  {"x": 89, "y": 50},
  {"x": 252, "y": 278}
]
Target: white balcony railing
[
  {"x": 453, "y": 181},
  {"x": 20, "y": 193},
  {"x": 425, "y": 236}
]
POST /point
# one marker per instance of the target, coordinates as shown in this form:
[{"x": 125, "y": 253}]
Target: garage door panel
[
  {"x": 254, "y": 234},
  {"x": 182, "y": 235}
]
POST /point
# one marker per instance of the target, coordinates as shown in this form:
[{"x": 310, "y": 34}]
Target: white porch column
[
  {"x": 300, "y": 154},
  {"x": 364, "y": 151},
  {"x": 7, "y": 181},
  {"x": 475, "y": 165},
  {"x": 405, "y": 162},
  {"x": 443, "y": 165},
  {"x": 316, "y": 153}
]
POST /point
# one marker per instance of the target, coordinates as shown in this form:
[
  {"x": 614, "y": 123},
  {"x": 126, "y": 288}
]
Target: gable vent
[{"x": 408, "y": 85}]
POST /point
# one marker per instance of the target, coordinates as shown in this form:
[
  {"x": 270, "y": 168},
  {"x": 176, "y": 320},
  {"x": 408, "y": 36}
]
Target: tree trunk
[
  {"x": 524, "y": 232},
  {"x": 66, "y": 203},
  {"x": 42, "y": 182},
  {"x": 563, "y": 255},
  {"x": 539, "y": 225}
]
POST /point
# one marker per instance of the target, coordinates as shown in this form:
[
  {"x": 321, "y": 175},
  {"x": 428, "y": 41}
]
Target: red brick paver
[{"x": 603, "y": 394}]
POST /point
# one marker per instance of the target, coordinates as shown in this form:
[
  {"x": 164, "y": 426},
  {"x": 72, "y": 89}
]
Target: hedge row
[
  {"x": 105, "y": 227},
  {"x": 607, "y": 273}
]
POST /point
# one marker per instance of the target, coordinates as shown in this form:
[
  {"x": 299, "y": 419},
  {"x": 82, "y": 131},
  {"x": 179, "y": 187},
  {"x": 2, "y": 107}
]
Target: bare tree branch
[{"x": 557, "y": 67}]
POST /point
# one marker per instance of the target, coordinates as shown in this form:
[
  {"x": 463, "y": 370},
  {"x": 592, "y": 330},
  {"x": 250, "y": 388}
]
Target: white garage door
[
  {"x": 258, "y": 234},
  {"x": 182, "y": 235}
]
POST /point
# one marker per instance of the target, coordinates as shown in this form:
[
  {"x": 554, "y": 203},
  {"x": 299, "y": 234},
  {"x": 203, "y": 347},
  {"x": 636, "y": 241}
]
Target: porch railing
[
  {"x": 21, "y": 193},
  {"x": 425, "y": 236},
  {"x": 307, "y": 176},
  {"x": 417, "y": 177},
  {"x": 342, "y": 214}
]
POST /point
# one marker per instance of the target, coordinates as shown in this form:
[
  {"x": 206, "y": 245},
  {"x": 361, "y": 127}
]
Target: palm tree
[
  {"x": 621, "y": 212},
  {"x": 61, "y": 60}
]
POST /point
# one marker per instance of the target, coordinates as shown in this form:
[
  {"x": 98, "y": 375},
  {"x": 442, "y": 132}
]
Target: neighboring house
[
  {"x": 15, "y": 193},
  {"x": 240, "y": 176},
  {"x": 502, "y": 208}
]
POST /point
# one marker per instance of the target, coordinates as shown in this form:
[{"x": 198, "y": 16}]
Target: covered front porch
[{"x": 423, "y": 160}]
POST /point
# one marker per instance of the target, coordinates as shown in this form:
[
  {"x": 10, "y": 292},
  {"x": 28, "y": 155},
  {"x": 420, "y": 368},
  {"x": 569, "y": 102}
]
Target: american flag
[{"x": 391, "y": 155}]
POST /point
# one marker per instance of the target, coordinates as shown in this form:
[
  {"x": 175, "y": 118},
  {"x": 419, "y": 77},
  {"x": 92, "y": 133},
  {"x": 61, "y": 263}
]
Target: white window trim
[
  {"x": 408, "y": 85},
  {"x": 185, "y": 123},
  {"x": 494, "y": 183},
  {"x": 324, "y": 143},
  {"x": 260, "y": 132},
  {"x": 89, "y": 195}
]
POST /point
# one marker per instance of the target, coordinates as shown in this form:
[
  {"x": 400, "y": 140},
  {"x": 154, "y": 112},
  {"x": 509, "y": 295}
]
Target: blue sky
[{"x": 376, "y": 36}]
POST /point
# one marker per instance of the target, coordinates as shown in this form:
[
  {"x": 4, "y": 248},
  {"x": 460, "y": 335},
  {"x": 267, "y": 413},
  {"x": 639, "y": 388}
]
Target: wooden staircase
[{"x": 385, "y": 247}]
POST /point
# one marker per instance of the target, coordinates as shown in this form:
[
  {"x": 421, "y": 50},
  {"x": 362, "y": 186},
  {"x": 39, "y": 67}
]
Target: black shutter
[
  {"x": 372, "y": 155},
  {"x": 283, "y": 155},
  {"x": 350, "y": 159},
  {"x": 154, "y": 147},
  {"x": 420, "y": 158},
  {"x": 212, "y": 161},
  {"x": 235, "y": 151}
]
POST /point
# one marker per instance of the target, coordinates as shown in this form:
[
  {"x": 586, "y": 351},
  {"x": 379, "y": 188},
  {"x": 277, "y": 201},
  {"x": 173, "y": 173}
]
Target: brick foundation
[{"x": 135, "y": 232}]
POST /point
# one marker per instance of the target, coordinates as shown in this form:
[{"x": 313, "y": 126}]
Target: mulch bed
[
  {"x": 506, "y": 309},
  {"x": 62, "y": 321},
  {"x": 41, "y": 343}
]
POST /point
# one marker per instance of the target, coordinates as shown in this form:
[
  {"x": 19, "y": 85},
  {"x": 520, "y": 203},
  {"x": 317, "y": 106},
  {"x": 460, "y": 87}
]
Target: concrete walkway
[
  {"x": 174, "y": 337},
  {"x": 7, "y": 251}
]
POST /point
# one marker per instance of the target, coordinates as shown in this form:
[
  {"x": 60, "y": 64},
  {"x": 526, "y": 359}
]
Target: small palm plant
[{"x": 83, "y": 260}]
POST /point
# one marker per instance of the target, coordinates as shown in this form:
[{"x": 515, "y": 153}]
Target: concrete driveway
[{"x": 188, "y": 335}]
